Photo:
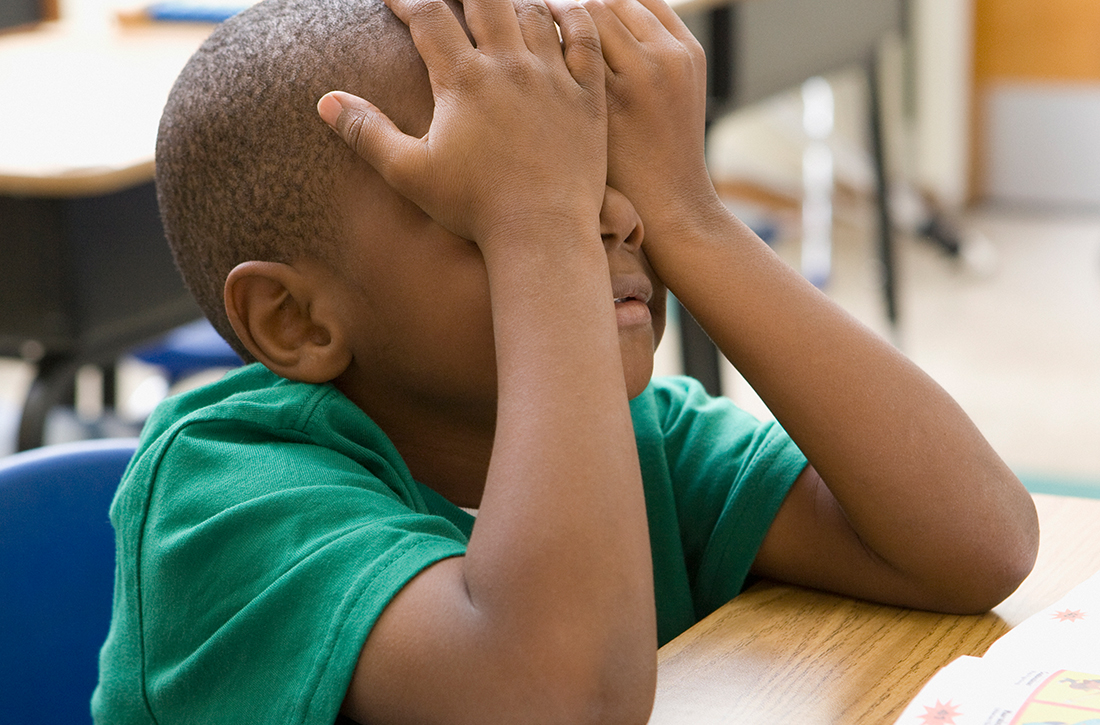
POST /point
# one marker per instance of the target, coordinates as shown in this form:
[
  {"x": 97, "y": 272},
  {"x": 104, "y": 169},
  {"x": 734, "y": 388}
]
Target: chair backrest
[{"x": 57, "y": 559}]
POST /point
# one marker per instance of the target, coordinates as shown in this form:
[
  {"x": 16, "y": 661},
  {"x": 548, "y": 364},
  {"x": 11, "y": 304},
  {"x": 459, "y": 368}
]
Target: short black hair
[{"x": 245, "y": 168}]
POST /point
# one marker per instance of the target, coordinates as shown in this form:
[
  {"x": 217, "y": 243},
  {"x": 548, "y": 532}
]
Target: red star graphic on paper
[
  {"x": 1069, "y": 615},
  {"x": 941, "y": 714}
]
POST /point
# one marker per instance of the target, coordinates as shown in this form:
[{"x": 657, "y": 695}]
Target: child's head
[{"x": 246, "y": 170}]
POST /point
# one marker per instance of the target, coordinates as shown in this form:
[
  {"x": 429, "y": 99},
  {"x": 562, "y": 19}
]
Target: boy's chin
[
  {"x": 637, "y": 347},
  {"x": 637, "y": 377}
]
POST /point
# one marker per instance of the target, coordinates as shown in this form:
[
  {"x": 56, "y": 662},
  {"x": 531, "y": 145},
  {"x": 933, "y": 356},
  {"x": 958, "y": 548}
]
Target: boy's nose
[{"x": 619, "y": 221}]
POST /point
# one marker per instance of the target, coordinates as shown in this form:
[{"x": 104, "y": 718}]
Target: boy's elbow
[
  {"x": 1017, "y": 565},
  {"x": 1009, "y": 556},
  {"x": 1017, "y": 552},
  {"x": 623, "y": 696},
  {"x": 994, "y": 586},
  {"x": 632, "y": 702}
]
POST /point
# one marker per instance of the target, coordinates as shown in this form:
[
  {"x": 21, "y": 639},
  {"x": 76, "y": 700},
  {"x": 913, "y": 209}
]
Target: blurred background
[{"x": 989, "y": 113}]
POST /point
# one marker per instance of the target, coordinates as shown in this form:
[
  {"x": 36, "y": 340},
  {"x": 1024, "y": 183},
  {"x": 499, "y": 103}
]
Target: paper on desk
[
  {"x": 1045, "y": 671},
  {"x": 1065, "y": 633}
]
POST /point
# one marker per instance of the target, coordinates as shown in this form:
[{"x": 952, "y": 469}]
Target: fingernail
[{"x": 329, "y": 107}]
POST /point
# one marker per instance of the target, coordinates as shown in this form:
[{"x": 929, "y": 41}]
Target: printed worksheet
[{"x": 1046, "y": 671}]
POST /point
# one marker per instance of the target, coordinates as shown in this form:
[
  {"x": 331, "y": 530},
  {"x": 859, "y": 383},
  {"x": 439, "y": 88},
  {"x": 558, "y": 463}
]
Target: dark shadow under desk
[
  {"x": 82, "y": 280},
  {"x": 85, "y": 271}
]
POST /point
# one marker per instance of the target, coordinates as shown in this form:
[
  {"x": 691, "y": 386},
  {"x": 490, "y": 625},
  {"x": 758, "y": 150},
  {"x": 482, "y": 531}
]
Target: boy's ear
[{"x": 281, "y": 314}]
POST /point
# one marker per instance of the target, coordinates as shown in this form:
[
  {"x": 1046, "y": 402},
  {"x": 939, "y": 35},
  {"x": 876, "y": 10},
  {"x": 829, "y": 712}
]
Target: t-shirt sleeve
[
  {"x": 730, "y": 475},
  {"x": 257, "y": 596}
]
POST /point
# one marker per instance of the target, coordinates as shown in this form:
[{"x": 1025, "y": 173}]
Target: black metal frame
[{"x": 699, "y": 356}]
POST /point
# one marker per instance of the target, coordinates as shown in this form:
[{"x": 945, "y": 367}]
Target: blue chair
[
  {"x": 188, "y": 349},
  {"x": 57, "y": 560}
]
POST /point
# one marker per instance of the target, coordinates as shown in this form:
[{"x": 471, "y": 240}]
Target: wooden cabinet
[
  {"x": 1055, "y": 40},
  {"x": 1036, "y": 119}
]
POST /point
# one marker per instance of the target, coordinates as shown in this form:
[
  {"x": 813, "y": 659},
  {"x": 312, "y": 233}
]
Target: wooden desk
[
  {"x": 83, "y": 106},
  {"x": 781, "y": 654},
  {"x": 85, "y": 271}
]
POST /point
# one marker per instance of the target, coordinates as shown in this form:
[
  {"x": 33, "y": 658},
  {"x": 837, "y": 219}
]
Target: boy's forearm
[
  {"x": 561, "y": 547},
  {"x": 564, "y": 458},
  {"x": 919, "y": 484},
  {"x": 549, "y": 616}
]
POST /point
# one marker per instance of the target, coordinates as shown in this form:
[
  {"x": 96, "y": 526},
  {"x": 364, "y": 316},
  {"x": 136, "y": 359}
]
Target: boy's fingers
[
  {"x": 581, "y": 42},
  {"x": 435, "y": 30},
  {"x": 536, "y": 23},
  {"x": 637, "y": 19},
  {"x": 492, "y": 24},
  {"x": 668, "y": 17},
  {"x": 615, "y": 38},
  {"x": 369, "y": 133},
  {"x": 648, "y": 20}
]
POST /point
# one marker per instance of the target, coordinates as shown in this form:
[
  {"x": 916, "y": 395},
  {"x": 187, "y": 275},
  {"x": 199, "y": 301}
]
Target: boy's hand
[
  {"x": 519, "y": 130},
  {"x": 656, "y": 98}
]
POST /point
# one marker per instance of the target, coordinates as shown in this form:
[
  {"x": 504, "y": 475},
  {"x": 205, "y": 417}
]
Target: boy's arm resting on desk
[
  {"x": 912, "y": 506},
  {"x": 549, "y": 617}
]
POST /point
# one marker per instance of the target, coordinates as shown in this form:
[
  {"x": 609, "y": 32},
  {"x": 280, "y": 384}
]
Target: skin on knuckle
[
  {"x": 617, "y": 103},
  {"x": 353, "y": 126},
  {"x": 533, "y": 11},
  {"x": 460, "y": 74},
  {"x": 425, "y": 16},
  {"x": 695, "y": 50},
  {"x": 593, "y": 7},
  {"x": 578, "y": 17},
  {"x": 422, "y": 9},
  {"x": 515, "y": 69},
  {"x": 584, "y": 38}
]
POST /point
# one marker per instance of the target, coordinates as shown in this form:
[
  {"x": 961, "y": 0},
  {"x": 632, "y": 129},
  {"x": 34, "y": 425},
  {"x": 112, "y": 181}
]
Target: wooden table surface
[
  {"x": 81, "y": 107},
  {"x": 779, "y": 654}
]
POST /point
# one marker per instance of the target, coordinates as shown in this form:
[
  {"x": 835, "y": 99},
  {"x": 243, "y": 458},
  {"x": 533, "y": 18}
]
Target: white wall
[
  {"x": 939, "y": 156},
  {"x": 1041, "y": 146}
]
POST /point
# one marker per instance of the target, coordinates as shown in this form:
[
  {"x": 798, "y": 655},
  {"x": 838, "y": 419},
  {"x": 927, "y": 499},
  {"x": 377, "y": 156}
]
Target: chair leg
[
  {"x": 54, "y": 379},
  {"x": 888, "y": 269},
  {"x": 109, "y": 393},
  {"x": 698, "y": 353}
]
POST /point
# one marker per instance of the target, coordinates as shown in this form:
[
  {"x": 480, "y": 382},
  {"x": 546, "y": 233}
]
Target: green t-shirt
[{"x": 265, "y": 524}]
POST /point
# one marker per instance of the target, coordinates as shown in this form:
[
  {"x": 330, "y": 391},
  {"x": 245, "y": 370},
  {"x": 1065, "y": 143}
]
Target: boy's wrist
[
  {"x": 542, "y": 235},
  {"x": 672, "y": 213},
  {"x": 686, "y": 236}
]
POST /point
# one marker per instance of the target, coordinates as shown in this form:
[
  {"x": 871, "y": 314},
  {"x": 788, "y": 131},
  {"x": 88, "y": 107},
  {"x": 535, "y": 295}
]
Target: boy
[{"x": 467, "y": 318}]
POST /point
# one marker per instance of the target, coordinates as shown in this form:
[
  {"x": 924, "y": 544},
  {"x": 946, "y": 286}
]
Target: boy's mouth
[
  {"x": 632, "y": 295},
  {"x": 633, "y": 287}
]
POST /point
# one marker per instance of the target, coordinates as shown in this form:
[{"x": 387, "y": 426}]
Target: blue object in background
[
  {"x": 194, "y": 12},
  {"x": 188, "y": 349},
  {"x": 1060, "y": 485},
  {"x": 57, "y": 563}
]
